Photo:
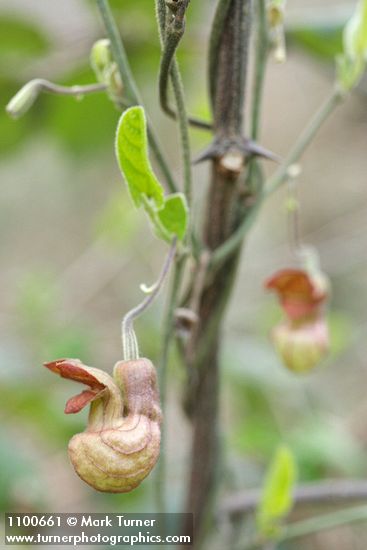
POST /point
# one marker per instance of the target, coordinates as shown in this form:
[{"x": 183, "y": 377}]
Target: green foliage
[
  {"x": 38, "y": 305},
  {"x": 117, "y": 223},
  {"x": 70, "y": 119},
  {"x": 277, "y": 496},
  {"x": 167, "y": 215},
  {"x": 19, "y": 42},
  {"x": 323, "y": 41}
]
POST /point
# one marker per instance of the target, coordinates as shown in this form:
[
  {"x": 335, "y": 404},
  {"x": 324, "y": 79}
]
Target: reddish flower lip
[
  {"x": 300, "y": 294},
  {"x": 73, "y": 369}
]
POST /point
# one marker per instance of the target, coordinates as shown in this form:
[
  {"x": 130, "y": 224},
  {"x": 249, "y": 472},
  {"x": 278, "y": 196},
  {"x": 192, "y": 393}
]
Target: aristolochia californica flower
[
  {"x": 120, "y": 445},
  {"x": 302, "y": 339}
]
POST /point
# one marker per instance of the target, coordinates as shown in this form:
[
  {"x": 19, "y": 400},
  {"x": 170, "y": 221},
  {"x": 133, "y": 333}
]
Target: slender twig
[
  {"x": 163, "y": 364},
  {"x": 325, "y": 522},
  {"x": 316, "y": 524},
  {"x": 184, "y": 132},
  {"x": 261, "y": 55},
  {"x": 130, "y": 86},
  {"x": 280, "y": 177},
  {"x": 128, "y": 320},
  {"x": 332, "y": 492},
  {"x": 174, "y": 74},
  {"x": 27, "y": 95}
]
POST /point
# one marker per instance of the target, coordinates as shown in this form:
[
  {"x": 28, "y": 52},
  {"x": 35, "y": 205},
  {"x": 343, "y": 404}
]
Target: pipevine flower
[
  {"x": 302, "y": 338},
  {"x": 120, "y": 445}
]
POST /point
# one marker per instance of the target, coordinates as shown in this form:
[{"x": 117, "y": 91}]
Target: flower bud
[
  {"x": 24, "y": 99},
  {"x": 105, "y": 68},
  {"x": 120, "y": 445}
]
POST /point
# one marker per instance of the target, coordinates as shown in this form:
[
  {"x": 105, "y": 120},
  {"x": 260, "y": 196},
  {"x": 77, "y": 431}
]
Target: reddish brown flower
[
  {"x": 120, "y": 445},
  {"x": 302, "y": 339}
]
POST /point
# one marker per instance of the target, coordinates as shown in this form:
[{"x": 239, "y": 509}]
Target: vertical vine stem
[
  {"x": 227, "y": 89},
  {"x": 178, "y": 91},
  {"x": 131, "y": 89},
  {"x": 168, "y": 329}
]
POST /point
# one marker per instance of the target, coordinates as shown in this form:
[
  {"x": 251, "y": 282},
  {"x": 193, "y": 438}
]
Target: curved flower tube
[{"x": 120, "y": 445}]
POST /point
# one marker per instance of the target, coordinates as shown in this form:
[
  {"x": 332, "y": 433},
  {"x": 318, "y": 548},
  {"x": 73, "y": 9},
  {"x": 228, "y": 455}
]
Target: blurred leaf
[
  {"x": 117, "y": 222},
  {"x": 355, "y": 33},
  {"x": 323, "y": 41},
  {"x": 325, "y": 448},
  {"x": 351, "y": 65},
  {"x": 38, "y": 406},
  {"x": 277, "y": 495},
  {"x": 14, "y": 467},
  {"x": 20, "y": 41},
  {"x": 342, "y": 332},
  {"x": 36, "y": 301},
  {"x": 81, "y": 125}
]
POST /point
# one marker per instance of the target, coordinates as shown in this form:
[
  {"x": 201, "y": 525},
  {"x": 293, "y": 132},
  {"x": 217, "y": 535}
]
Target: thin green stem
[
  {"x": 163, "y": 365},
  {"x": 169, "y": 67},
  {"x": 119, "y": 52},
  {"x": 130, "y": 86},
  {"x": 261, "y": 55},
  {"x": 280, "y": 177},
  {"x": 184, "y": 131}
]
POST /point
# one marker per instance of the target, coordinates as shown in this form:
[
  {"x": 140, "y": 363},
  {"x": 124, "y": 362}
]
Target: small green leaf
[
  {"x": 168, "y": 215},
  {"x": 355, "y": 33},
  {"x": 173, "y": 215},
  {"x": 277, "y": 496},
  {"x": 132, "y": 156},
  {"x": 351, "y": 65}
]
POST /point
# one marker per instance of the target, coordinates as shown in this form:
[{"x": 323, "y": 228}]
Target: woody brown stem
[{"x": 222, "y": 217}]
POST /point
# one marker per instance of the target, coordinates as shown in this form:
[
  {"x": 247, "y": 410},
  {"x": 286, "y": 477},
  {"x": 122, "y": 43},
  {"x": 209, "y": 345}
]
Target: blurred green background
[{"x": 73, "y": 252}]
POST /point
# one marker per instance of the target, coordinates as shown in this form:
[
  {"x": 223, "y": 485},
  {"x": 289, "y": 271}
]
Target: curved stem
[
  {"x": 130, "y": 86},
  {"x": 169, "y": 67},
  {"x": 127, "y": 330}
]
